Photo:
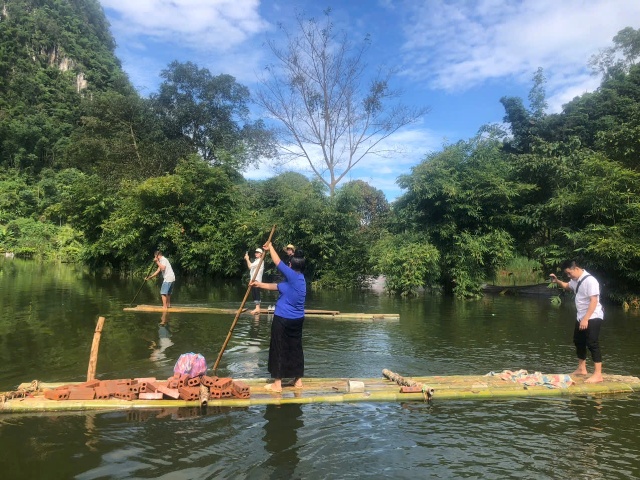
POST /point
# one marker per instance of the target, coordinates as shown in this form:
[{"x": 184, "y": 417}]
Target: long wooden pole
[
  {"x": 143, "y": 282},
  {"x": 93, "y": 358},
  {"x": 244, "y": 300}
]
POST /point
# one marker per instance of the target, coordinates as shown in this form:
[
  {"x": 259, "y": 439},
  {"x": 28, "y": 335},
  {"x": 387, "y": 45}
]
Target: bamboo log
[
  {"x": 93, "y": 358},
  {"x": 179, "y": 309},
  {"x": 204, "y": 395},
  {"x": 400, "y": 380}
]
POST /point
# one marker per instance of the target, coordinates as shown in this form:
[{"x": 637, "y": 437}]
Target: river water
[{"x": 48, "y": 314}]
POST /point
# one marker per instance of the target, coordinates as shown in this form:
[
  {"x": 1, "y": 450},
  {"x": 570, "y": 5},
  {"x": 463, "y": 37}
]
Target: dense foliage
[{"x": 90, "y": 171}]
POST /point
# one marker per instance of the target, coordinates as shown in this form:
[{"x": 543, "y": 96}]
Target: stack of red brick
[{"x": 176, "y": 387}]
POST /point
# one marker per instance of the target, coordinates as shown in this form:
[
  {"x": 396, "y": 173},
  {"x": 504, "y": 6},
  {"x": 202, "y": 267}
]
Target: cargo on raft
[{"x": 32, "y": 397}]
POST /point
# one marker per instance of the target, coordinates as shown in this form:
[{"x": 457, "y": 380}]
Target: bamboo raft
[
  {"x": 324, "y": 314},
  {"x": 337, "y": 390},
  {"x": 180, "y": 309}
]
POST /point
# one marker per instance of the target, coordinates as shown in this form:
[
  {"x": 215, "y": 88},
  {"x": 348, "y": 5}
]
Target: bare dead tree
[{"x": 333, "y": 112}]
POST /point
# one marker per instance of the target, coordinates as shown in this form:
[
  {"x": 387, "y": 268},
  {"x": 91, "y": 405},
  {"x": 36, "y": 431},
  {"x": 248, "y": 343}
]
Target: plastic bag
[{"x": 192, "y": 364}]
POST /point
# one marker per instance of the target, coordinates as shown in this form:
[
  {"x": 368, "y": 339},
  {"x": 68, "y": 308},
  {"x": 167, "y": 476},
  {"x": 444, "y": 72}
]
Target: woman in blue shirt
[{"x": 286, "y": 358}]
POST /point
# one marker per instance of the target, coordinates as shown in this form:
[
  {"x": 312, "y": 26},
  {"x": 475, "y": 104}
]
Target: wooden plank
[{"x": 335, "y": 390}]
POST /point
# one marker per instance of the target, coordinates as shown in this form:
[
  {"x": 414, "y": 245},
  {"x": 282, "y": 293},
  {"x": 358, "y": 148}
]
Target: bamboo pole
[
  {"x": 204, "y": 395},
  {"x": 400, "y": 380},
  {"x": 143, "y": 282},
  {"x": 244, "y": 300},
  {"x": 93, "y": 358}
]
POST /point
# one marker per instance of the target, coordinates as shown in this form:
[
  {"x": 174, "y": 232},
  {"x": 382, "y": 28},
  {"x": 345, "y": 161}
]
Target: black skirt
[{"x": 286, "y": 358}]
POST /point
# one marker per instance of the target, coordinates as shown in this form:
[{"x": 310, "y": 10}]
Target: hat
[
  {"x": 259, "y": 250},
  {"x": 290, "y": 247}
]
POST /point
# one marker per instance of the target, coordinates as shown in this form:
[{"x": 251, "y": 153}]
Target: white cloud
[
  {"x": 455, "y": 45},
  {"x": 219, "y": 25}
]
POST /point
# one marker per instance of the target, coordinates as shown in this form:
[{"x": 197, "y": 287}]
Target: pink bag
[{"x": 193, "y": 364}]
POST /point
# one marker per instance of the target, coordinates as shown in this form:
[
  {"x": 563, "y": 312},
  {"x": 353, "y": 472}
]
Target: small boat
[{"x": 337, "y": 390}]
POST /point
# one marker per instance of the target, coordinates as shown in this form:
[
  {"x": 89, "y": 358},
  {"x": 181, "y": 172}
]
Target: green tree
[
  {"x": 120, "y": 137},
  {"x": 619, "y": 58},
  {"x": 212, "y": 114},
  {"x": 463, "y": 201}
]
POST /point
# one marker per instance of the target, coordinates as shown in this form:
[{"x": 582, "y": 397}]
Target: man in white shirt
[
  {"x": 167, "y": 275},
  {"x": 590, "y": 315},
  {"x": 253, "y": 266}
]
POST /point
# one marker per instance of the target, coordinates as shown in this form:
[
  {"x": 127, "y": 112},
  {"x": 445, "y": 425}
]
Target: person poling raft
[{"x": 286, "y": 356}]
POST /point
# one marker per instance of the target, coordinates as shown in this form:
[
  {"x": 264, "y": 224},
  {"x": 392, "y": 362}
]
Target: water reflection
[
  {"x": 281, "y": 439},
  {"x": 164, "y": 340}
]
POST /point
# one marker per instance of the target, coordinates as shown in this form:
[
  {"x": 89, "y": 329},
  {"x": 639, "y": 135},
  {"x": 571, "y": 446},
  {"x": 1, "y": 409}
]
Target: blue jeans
[{"x": 166, "y": 288}]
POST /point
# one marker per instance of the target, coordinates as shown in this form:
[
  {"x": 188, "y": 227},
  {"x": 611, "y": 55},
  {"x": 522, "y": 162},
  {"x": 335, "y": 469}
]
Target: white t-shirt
[
  {"x": 252, "y": 270},
  {"x": 167, "y": 273},
  {"x": 588, "y": 288}
]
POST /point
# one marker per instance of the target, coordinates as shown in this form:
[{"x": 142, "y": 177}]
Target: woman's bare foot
[
  {"x": 296, "y": 383},
  {"x": 273, "y": 387},
  {"x": 594, "y": 379},
  {"x": 579, "y": 372}
]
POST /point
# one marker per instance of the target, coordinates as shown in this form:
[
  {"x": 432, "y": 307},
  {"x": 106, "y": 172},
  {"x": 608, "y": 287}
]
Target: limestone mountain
[{"x": 53, "y": 53}]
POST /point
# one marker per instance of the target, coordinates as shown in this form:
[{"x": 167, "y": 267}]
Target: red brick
[
  {"x": 143, "y": 382},
  {"x": 184, "y": 378},
  {"x": 240, "y": 387},
  {"x": 189, "y": 393},
  {"x": 208, "y": 381},
  {"x": 220, "y": 393},
  {"x": 169, "y": 392},
  {"x": 110, "y": 385},
  {"x": 56, "y": 394},
  {"x": 90, "y": 384},
  {"x": 124, "y": 395},
  {"x": 173, "y": 382},
  {"x": 134, "y": 388},
  {"x": 102, "y": 393},
  {"x": 150, "y": 396},
  {"x": 222, "y": 383},
  {"x": 82, "y": 394},
  {"x": 193, "y": 382},
  {"x": 406, "y": 389},
  {"x": 240, "y": 395}
]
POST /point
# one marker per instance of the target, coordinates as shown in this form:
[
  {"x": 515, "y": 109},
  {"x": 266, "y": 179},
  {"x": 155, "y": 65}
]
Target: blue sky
[{"x": 459, "y": 57}]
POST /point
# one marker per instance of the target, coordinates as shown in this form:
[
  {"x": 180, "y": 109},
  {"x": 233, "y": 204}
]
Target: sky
[{"x": 457, "y": 57}]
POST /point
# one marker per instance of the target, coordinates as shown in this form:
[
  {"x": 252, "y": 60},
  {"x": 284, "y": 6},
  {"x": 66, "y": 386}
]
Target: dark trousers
[
  {"x": 588, "y": 338},
  {"x": 255, "y": 292}
]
